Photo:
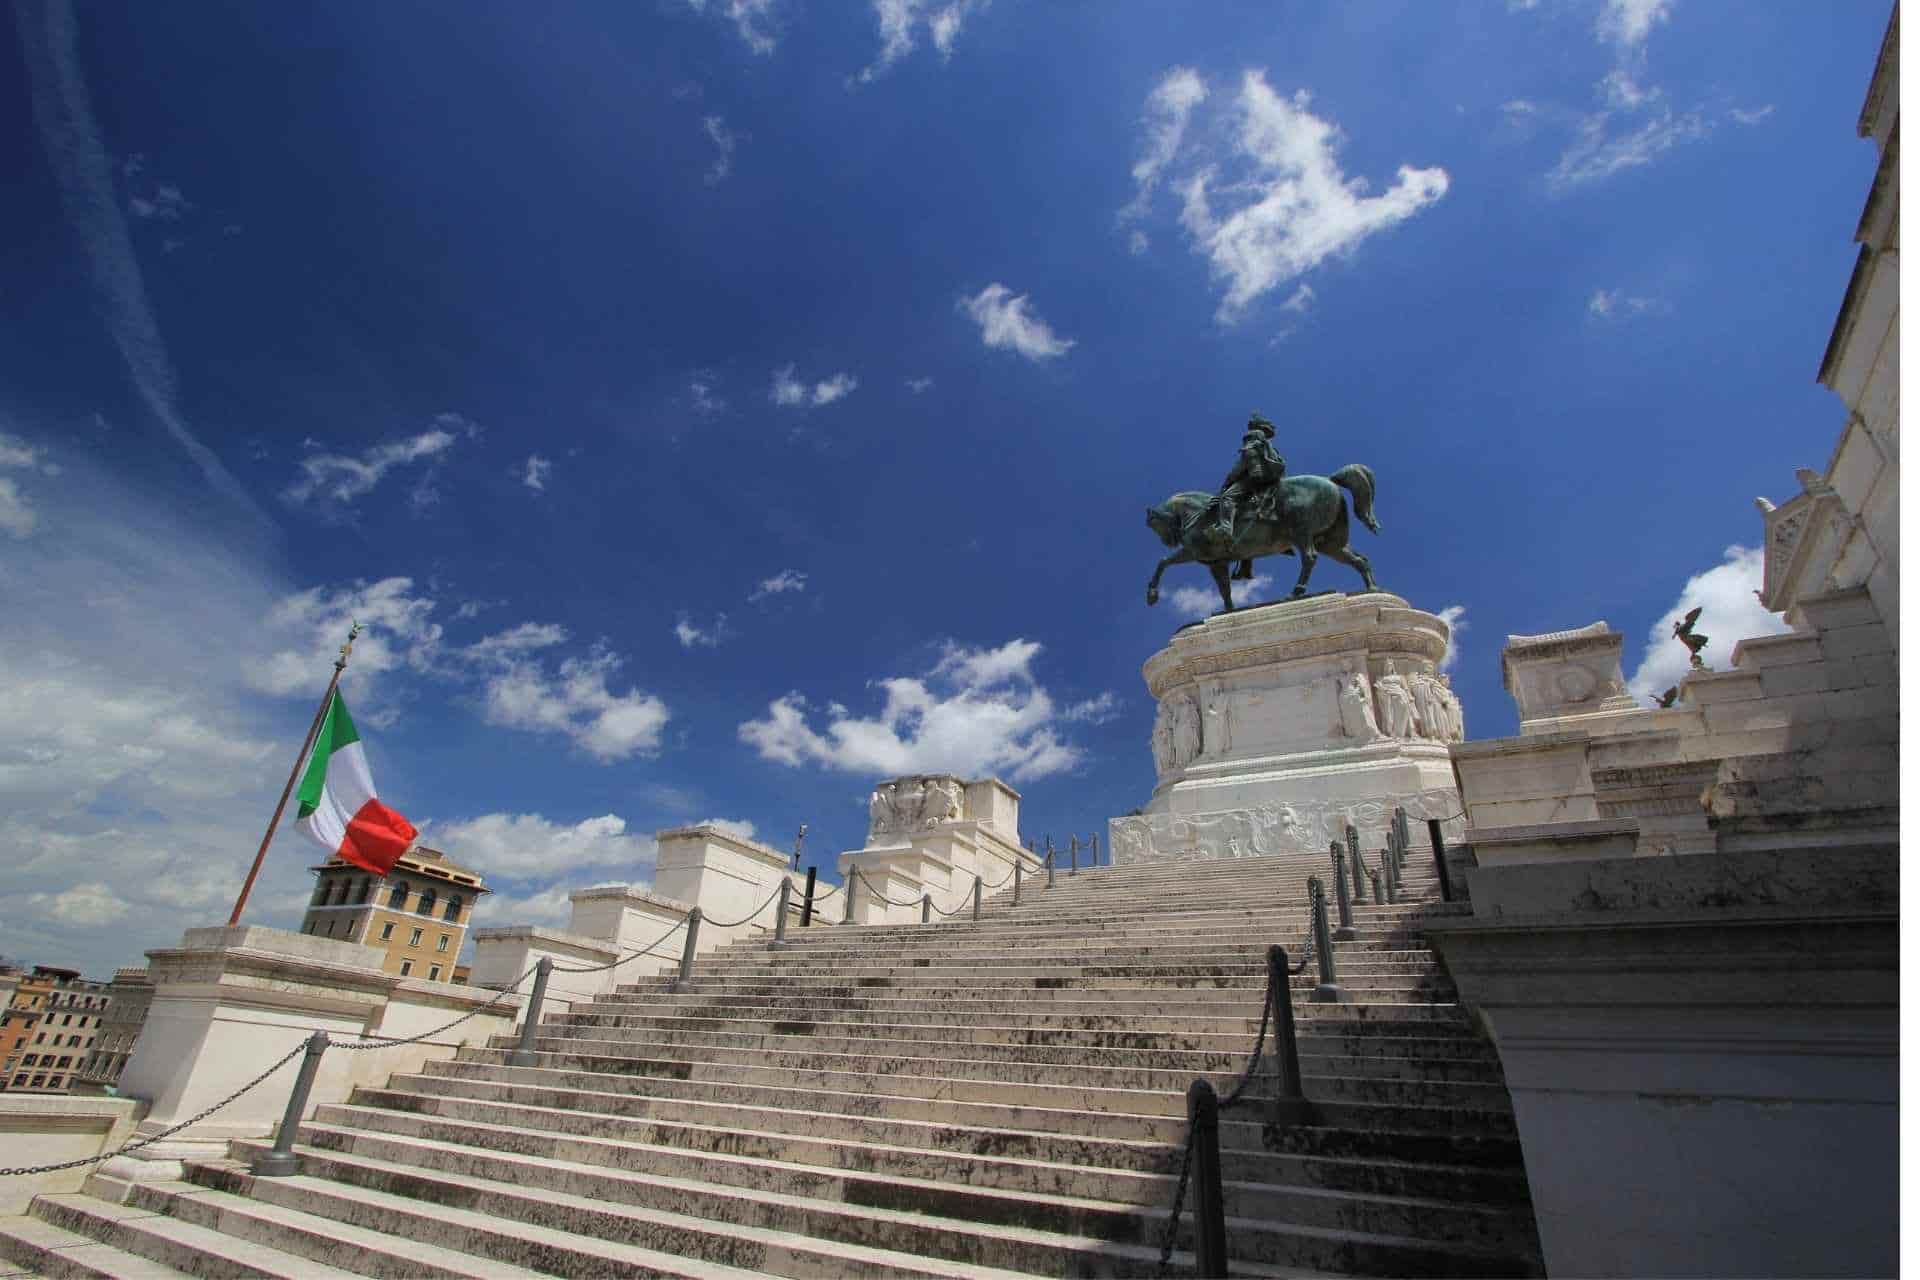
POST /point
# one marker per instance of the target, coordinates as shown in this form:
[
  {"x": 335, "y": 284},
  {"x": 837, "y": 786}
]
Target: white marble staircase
[{"x": 953, "y": 1099}]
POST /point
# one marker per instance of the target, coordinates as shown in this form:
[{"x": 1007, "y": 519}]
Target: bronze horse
[{"x": 1309, "y": 516}]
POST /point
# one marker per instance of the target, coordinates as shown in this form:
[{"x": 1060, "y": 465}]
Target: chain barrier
[
  {"x": 749, "y": 918},
  {"x": 678, "y": 925},
  {"x": 911, "y": 902},
  {"x": 995, "y": 884},
  {"x": 966, "y": 904},
  {"x": 1307, "y": 952},
  {"x": 819, "y": 897},
  {"x": 382, "y": 1042},
  {"x": 135, "y": 1145},
  {"x": 1233, "y": 1099}
]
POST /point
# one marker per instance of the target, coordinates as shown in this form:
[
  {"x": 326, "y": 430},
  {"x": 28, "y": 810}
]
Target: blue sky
[{"x": 712, "y": 407}]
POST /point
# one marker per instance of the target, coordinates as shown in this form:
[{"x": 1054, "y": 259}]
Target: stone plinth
[
  {"x": 932, "y": 834},
  {"x": 1566, "y": 679},
  {"x": 1280, "y": 724}
]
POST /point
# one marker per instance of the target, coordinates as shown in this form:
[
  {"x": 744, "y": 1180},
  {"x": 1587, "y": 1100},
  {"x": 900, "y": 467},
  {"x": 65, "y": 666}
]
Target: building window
[
  {"x": 31, "y": 1060},
  {"x": 406, "y": 968},
  {"x": 362, "y": 890},
  {"x": 443, "y": 943},
  {"x": 397, "y": 901},
  {"x": 386, "y": 931},
  {"x": 433, "y": 974},
  {"x": 414, "y": 941},
  {"x": 38, "y": 1081},
  {"x": 427, "y": 898},
  {"x": 320, "y": 893},
  {"x": 454, "y": 903}
]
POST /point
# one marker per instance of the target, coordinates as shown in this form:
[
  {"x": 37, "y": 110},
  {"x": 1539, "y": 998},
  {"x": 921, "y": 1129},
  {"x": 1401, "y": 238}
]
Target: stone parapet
[{"x": 41, "y": 1129}]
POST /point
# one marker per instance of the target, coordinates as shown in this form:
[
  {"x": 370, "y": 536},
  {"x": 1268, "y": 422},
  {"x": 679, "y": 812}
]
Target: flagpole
[{"x": 339, "y": 665}]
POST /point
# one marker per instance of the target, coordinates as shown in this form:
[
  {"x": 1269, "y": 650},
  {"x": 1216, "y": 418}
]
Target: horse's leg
[
  {"x": 1348, "y": 556},
  {"x": 1307, "y": 556},
  {"x": 1219, "y": 572},
  {"x": 1182, "y": 556}
]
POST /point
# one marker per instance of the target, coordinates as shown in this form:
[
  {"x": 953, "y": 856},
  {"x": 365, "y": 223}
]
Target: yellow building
[{"x": 416, "y": 916}]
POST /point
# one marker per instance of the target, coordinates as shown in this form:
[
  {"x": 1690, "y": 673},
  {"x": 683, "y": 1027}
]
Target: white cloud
[
  {"x": 733, "y": 826},
  {"x": 1296, "y": 208},
  {"x": 515, "y": 642},
  {"x": 779, "y": 584},
  {"x": 1006, "y": 321},
  {"x": 701, "y": 390},
  {"x": 1617, "y": 304},
  {"x": 551, "y": 906},
  {"x": 1753, "y": 116},
  {"x": 1300, "y": 301},
  {"x": 791, "y": 391},
  {"x": 528, "y": 845},
  {"x": 750, "y": 19},
  {"x": 1137, "y": 242},
  {"x": 918, "y": 385},
  {"x": 534, "y": 472},
  {"x": 724, "y": 141},
  {"x": 63, "y": 114},
  {"x": 1455, "y": 616},
  {"x": 898, "y": 21},
  {"x": 1626, "y": 24},
  {"x": 977, "y": 711},
  {"x": 693, "y": 636},
  {"x": 17, "y": 516},
  {"x": 84, "y": 906},
  {"x": 1164, "y": 122},
  {"x": 1598, "y": 152},
  {"x": 1201, "y": 602},
  {"x": 336, "y": 479},
  {"x": 575, "y": 702},
  {"x": 1729, "y": 613},
  {"x": 399, "y": 635},
  {"x": 1096, "y": 710}
]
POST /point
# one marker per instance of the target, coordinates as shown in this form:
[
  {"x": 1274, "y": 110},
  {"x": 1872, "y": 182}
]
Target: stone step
[
  {"x": 1250, "y": 969},
  {"x": 911, "y": 980},
  {"x": 31, "y": 1246},
  {"x": 1147, "y": 918},
  {"x": 1056, "y": 1015},
  {"x": 865, "y": 1175},
  {"x": 765, "y": 1232},
  {"x": 322, "y": 1240},
  {"x": 1110, "y": 1113},
  {"x": 1127, "y": 1002},
  {"x": 183, "y": 1246},
  {"x": 502, "y": 1242},
  {"x": 1174, "y": 1076},
  {"x": 570, "y": 1093},
  {"x": 764, "y": 964}
]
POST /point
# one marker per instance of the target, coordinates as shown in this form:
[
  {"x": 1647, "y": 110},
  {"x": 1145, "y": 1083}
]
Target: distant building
[
  {"x": 416, "y": 916},
  {"x": 128, "y": 996},
  {"x": 48, "y": 1029}
]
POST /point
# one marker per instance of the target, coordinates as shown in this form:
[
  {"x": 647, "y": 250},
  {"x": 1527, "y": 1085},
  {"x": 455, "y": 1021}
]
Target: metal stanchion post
[
  {"x": 1073, "y": 855},
  {"x": 1346, "y": 932},
  {"x": 1329, "y": 991},
  {"x": 1440, "y": 858},
  {"x": 1289, "y": 1095},
  {"x": 847, "y": 887},
  {"x": 685, "y": 979},
  {"x": 976, "y": 897},
  {"x": 522, "y": 1055},
  {"x": 806, "y": 903},
  {"x": 1379, "y": 894},
  {"x": 1049, "y": 868},
  {"x": 1353, "y": 856},
  {"x": 1209, "y": 1212},
  {"x": 1093, "y": 843},
  {"x": 1017, "y": 865},
  {"x": 780, "y": 912},
  {"x": 281, "y": 1162},
  {"x": 926, "y": 907},
  {"x": 1386, "y": 873}
]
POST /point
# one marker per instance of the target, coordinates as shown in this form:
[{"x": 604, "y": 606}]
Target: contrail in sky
[{"x": 80, "y": 162}]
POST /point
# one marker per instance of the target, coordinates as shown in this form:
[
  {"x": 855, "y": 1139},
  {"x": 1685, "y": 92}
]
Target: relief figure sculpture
[
  {"x": 1396, "y": 704},
  {"x": 1356, "y": 708}
]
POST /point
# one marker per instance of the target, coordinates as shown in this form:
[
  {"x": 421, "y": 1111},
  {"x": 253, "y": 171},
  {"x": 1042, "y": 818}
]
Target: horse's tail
[{"x": 1357, "y": 478}]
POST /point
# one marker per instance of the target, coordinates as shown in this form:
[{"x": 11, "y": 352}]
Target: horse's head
[{"x": 1165, "y": 525}]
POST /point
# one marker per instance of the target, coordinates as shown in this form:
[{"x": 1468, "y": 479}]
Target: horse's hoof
[
  {"x": 1153, "y": 597},
  {"x": 1298, "y": 592}
]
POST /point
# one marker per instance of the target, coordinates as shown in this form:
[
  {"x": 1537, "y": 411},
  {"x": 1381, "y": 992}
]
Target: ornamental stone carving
[
  {"x": 903, "y": 805},
  {"x": 1396, "y": 703},
  {"x": 1356, "y": 708},
  {"x": 1186, "y": 730}
]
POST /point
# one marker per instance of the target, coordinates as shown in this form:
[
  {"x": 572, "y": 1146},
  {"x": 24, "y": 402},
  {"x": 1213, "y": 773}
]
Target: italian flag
[{"x": 337, "y": 802}]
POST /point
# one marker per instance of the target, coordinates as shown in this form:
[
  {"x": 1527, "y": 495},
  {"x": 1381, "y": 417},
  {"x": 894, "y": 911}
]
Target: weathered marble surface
[{"x": 1303, "y": 826}]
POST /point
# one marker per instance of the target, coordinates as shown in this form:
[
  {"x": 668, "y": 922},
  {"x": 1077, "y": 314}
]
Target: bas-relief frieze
[
  {"x": 1407, "y": 645},
  {"x": 901, "y": 805},
  {"x": 1270, "y": 829}
]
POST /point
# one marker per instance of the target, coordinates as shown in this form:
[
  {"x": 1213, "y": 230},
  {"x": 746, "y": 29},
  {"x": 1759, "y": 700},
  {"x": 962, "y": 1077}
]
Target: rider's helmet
[{"x": 1260, "y": 424}]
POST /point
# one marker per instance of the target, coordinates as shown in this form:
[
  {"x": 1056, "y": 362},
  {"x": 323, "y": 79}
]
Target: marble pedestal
[{"x": 1280, "y": 724}]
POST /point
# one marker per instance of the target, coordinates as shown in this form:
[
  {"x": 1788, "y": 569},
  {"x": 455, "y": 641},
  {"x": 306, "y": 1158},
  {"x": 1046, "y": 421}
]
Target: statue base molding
[{"x": 1279, "y": 726}]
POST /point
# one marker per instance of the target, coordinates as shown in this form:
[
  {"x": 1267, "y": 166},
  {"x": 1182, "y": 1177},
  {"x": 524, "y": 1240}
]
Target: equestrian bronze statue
[{"x": 1262, "y": 511}]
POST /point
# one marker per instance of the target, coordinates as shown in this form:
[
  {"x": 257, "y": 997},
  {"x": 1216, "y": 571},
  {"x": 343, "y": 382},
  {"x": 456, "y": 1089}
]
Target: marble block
[{"x": 1280, "y": 724}]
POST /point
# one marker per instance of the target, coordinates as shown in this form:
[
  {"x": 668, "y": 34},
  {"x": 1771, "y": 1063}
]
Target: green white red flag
[{"x": 338, "y": 806}]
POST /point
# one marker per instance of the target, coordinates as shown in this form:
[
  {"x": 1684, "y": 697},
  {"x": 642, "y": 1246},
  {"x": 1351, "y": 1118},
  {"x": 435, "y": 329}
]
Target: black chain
[
  {"x": 381, "y": 1042},
  {"x": 912, "y": 902},
  {"x": 149, "y": 1140},
  {"x": 751, "y": 915},
  {"x": 631, "y": 955},
  {"x": 1233, "y": 1098}
]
